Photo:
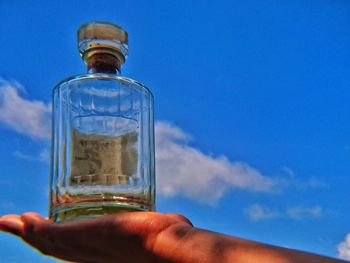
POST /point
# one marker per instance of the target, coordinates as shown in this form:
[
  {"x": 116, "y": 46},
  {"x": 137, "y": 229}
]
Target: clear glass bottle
[{"x": 102, "y": 133}]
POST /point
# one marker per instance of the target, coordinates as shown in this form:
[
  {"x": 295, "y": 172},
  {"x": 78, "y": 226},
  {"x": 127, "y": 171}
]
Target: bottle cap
[{"x": 102, "y": 37}]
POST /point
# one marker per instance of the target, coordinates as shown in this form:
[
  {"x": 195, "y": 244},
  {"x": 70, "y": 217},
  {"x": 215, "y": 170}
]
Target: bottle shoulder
[{"x": 83, "y": 78}]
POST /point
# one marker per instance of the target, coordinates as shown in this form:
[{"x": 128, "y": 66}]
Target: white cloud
[
  {"x": 259, "y": 212},
  {"x": 301, "y": 212},
  {"x": 344, "y": 248},
  {"x": 292, "y": 181},
  {"x": 24, "y": 116},
  {"x": 43, "y": 156},
  {"x": 288, "y": 171},
  {"x": 184, "y": 170}
]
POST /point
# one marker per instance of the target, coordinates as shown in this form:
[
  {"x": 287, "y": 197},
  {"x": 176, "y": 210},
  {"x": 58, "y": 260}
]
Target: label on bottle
[{"x": 103, "y": 159}]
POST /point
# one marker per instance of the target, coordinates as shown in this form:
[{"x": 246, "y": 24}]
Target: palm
[{"x": 125, "y": 237}]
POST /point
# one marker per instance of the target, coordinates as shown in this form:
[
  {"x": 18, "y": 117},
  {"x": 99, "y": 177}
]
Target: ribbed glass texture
[{"x": 102, "y": 147}]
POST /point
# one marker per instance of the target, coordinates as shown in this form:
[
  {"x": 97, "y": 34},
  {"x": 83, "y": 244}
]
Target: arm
[
  {"x": 197, "y": 245},
  {"x": 144, "y": 237}
]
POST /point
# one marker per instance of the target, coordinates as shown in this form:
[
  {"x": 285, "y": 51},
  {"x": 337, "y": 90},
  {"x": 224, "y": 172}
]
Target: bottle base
[
  {"x": 77, "y": 207},
  {"x": 92, "y": 210}
]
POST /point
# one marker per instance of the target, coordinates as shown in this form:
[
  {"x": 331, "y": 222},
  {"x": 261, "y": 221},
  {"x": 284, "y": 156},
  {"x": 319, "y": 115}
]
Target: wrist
[
  {"x": 170, "y": 244},
  {"x": 186, "y": 244}
]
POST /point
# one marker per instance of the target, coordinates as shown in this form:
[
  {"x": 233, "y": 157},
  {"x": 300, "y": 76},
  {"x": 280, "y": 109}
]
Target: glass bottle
[{"x": 102, "y": 133}]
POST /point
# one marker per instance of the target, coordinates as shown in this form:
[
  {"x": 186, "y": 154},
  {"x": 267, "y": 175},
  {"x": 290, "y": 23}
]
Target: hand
[
  {"x": 124, "y": 237},
  {"x": 144, "y": 237}
]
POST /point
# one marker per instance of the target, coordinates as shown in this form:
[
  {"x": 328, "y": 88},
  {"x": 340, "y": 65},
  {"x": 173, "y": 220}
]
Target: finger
[
  {"x": 40, "y": 233},
  {"x": 33, "y": 214},
  {"x": 69, "y": 241},
  {"x": 36, "y": 232},
  {"x": 180, "y": 218},
  {"x": 12, "y": 224}
]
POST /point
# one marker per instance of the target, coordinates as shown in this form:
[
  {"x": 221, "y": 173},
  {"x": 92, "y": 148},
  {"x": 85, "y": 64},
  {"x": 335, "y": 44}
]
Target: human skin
[{"x": 144, "y": 237}]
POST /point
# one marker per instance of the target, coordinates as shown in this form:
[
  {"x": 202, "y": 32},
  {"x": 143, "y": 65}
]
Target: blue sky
[{"x": 252, "y": 96}]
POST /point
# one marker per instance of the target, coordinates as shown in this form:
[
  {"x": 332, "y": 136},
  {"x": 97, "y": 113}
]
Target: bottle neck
[{"x": 103, "y": 63}]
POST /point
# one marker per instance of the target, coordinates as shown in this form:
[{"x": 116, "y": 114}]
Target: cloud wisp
[
  {"x": 292, "y": 181},
  {"x": 24, "y": 116},
  {"x": 43, "y": 156},
  {"x": 301, "y": 212},
  {"x": 184, "y": 170},
  {"x": 259, "y": 212}
]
